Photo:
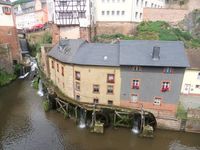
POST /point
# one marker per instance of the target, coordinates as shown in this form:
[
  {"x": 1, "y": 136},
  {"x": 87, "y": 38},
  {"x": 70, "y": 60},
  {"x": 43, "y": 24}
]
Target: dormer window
[
  {"x": 6, "y": 10},
  {"x": 136, "y": 68},
  {"x": 168, "y": 70}
]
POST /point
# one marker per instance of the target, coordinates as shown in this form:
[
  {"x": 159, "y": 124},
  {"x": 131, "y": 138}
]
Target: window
[
  {"x": 146, "y": 4},
  {"x": 95, "y": 88},
  {"x": 140, "y": 15},
  {"x": 198, "y": 76},
  {"x": 110, "y": 78},
  {"x": 113, "y": 12},
  {"x": 103, "y": 1},
  {"x": 77, "y": 86},
  {"x": 137, "y": 2},
  {"x": 78, "y": 97},
  {"x": 62, "y": 71},
  {"x": 165, "y": 86},
  {"x": 52, "y": 64},
  {"x": 142, "y": 3},
  {"x": 108, "y": 1},
  {"x": 168, "y": 70},
  {"x": 108, "y": 12},
  {"x": 103, "y": 12},
  {"x": 110, "y": 89},
  {"x": 118, "y": 12},
  {"x": 123, "y": 12},
  {"x": 57, "y": 67},
  {"x": 137, "y": 68},
  {"x": 197, "y": 86},
  {"x": 134, "y": 97},
  {"x": 77, "y": 75},
  {"x": 95, "y": 100},
  {"x": 6, "y": 10},
  {"x": 136, "y": 15},
  {"x": 81, "y": 14},
  {"x": 110, "y": 102},
  {"x": 113, "y": 1},
  {"x": 151, "y": 5},
  {"x": 123, "y": 1},
  {"x": 157, "y": 101},
  {"x": 135, "y": 84}
]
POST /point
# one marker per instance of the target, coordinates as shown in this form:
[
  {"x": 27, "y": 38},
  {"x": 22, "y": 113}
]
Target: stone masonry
[{"x": 9, "y": 35}]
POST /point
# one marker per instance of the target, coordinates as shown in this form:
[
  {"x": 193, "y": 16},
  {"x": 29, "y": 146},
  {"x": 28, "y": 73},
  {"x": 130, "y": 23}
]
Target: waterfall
[
  {"x": 23, "y": 73},
  {"x": 135, "y": 128},
  {"x": 82, "y": 119},
  {"x": 40, "y": 88}
]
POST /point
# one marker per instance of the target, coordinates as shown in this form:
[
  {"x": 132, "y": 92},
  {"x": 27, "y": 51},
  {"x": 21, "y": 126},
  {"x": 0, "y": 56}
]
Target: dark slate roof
[
  {"x": 5, "y": 2},
  {"x": 194, "y": 58},
  {"x": 98, "y": 54},
  {"x": 66, "y": 52},
  {"x": 139, "y": 52},
  {"x": 135, "y": 52}
]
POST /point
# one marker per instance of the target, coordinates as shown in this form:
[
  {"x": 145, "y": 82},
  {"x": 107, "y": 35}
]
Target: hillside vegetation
[
  {"x": 158, "y": 30},
  {"x": 35, "y": 40}
]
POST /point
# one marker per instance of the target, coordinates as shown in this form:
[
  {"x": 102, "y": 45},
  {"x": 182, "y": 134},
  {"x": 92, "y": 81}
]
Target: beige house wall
[
  {"x": 190, "y": 81},
  {"x": 70, "y": 32},
  {"x": 91, "y": 75},
  {"x": 64, "y": 83}
]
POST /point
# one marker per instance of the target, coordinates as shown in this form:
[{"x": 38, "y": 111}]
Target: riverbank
[{"x": 6, "y": 78}]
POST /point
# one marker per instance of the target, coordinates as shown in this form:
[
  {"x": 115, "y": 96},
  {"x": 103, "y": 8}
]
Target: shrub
[
  {"x": 46, "y": 105},
  {"x": 6, "y": 78},
  {"x": 181, "y": 112}
]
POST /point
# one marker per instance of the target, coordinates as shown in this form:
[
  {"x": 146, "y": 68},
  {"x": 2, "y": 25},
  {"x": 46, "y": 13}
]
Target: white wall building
[
  {"x": 191, "y": 80},
  {"x": 6, "y": 15},
  {"x": 124, "y": 10},
  {"x": 75, "y": 12}
]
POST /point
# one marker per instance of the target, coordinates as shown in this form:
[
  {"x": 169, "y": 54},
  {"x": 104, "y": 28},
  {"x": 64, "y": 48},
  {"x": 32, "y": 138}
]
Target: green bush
[
  {"x": 181, "y": 112},
  {"x": 46, "y": 105},
  {"x": 6, "y": 78},
  {"x": 34, "y": 48},
  {"x": 147, "y": 36},
  {"x": 35, "y": 83}
]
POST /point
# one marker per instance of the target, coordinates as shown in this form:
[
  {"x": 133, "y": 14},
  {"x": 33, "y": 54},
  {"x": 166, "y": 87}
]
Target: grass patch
[
  {"x": 46, "y": 105},
  {"x": 35, "y": 45},
  {"x": 35, "y": 83},
  {"x": 6, "y": 78},
  {"x": 181, "y": 112}
]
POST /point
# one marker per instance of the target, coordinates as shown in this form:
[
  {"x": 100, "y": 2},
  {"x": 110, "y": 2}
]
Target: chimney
[{"x": 156, "y": 53}]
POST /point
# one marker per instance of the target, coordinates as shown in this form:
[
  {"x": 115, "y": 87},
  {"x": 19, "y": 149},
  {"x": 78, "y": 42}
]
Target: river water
[{"x": 25, "y": 126}]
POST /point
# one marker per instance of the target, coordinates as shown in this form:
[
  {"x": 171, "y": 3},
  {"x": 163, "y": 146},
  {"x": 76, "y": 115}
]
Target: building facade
[
  {"x": 132, "y": 74},
  {"x": 191, "y": 80},
  {"x": 8, "y": 32},
  {"x": 72, "y": 18},
  {"x": 30, "y": 13}
]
